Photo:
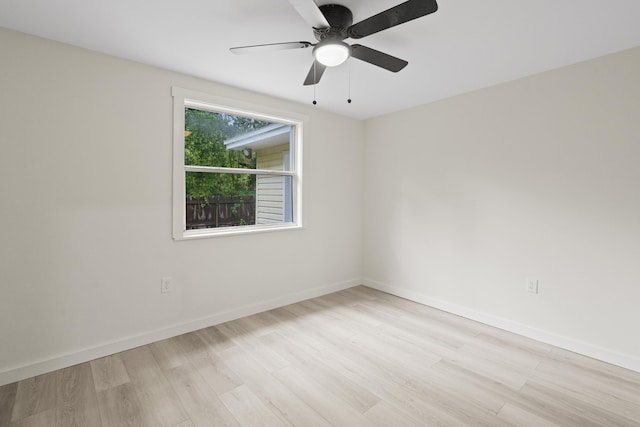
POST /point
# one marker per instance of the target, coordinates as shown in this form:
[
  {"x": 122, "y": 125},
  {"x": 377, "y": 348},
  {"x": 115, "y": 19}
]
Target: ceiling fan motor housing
[{"x": 340, "y": 19}]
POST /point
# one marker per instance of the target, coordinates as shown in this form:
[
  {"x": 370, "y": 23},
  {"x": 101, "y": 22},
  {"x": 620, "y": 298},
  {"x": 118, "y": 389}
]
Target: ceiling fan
[{"x": 333, "y": 23}]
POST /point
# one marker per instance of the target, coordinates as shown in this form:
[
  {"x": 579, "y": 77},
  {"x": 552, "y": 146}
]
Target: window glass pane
[
  {"x": 219, "y": 200},
  {"x": 247, "y": 200},
  {"x": 224, "y": 140},
  {"x": 274, "y": 202}
]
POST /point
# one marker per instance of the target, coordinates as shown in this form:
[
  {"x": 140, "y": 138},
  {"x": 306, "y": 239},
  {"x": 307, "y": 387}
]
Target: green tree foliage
[{"x": 205, "y": 133}]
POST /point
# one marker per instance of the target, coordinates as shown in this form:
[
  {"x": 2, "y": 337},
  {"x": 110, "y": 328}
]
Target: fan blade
[
  {"x": 315, "y": 73},
  {"x": 311, "y": 13},
  {"x": 378, "y": 58},
  {"x": 397, "y": 15},
  {"x": 269, "y": 47}
]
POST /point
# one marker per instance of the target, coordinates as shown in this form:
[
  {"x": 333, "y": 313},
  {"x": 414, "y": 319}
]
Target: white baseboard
[
  {"x": 586, "y": 349},
  {"x": 84, "y": 355}
]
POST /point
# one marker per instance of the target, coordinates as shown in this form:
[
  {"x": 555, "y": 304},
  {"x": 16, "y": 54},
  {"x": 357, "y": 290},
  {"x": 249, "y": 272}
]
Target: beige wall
[
  {"x": 467, "y": 197},
  {"x": 86, "y": 166}
]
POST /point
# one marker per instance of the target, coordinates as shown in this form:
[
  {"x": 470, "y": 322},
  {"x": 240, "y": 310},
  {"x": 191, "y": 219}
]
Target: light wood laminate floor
[{"x": 353, "y": 358}]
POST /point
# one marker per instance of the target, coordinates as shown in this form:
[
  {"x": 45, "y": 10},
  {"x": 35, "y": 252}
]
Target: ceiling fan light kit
[
  {"x": 332, "y": 52},
  {"x": 332, "y": 23}
]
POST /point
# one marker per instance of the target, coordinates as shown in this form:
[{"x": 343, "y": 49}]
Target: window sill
[{"x": 234, "y": 231}]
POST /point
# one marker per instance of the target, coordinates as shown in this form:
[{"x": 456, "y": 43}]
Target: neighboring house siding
[{"x": 270, "y": 189}]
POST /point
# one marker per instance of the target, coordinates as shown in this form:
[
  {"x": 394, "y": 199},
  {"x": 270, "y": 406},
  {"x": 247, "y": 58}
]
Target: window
[{"x": 237, "y": 167}]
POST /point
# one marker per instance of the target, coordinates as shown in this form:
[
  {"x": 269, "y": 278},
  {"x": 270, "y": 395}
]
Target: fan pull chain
[
  {"x": 315, "y": 82},
  {"x": 349, "y": 99}
]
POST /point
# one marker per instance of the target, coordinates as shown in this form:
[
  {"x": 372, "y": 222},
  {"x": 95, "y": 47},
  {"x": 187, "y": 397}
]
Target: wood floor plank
[
  {"x": 160, "y": 404},
  {"x": 459, "y": 387},
  {"x": 473, "y": 412},
  {"x": 495, "y": 367},
  {"x": 471, "y": 385},
  {"x": 350, "y": 313},
  {"x": 593, "y": 366},
  {"x": 7, "y": 402},
  {"x": 393, "y": 349},
  {"x": 348, "y": 391},
  {"x": 437, "y": 317},
  {"x": 35, "y": 395},
  {"x": 591, "y": 380},
  {"x": 44, "y": 418},
  {"x": 331, "y": 407},
  {"x": 513, "y": 342},
  {"x": 280, "y": 400},
  {"x": 214, "y": 339},
  {"x": 203, "y": 357},
  {"x": 572, "y": 408},
  {"x": 215, "y": 372},
  {"x": 199, "y": 400},
  {"x": 489, "y": 349},
  {"x": 191, "y": 343},
  {"x": 108, "y": 372},
  {"x": 120, "y": 407},
  {"x": 417, "y": 333},
  {"x": 77, "y": 400},
  {"x": 337, "y": 300},
  {"x": 295, "y": 328},
  {"x": 384, "y": 414},
  {"x": 262, "y": 354},
  {"x": 447, "y": 335},
  {"x": 523, "y": 418},
  {"x": 388, "y": 383},
  {"x": 258, "y": 324},
  {"x": 361, "y": 293},
  {"x": 249, "y": 410},
  {"x": 549, "y": 408},
  {"x": 168, "y": 353},
  {"x": 592, "y": 394},
  {"x": 326, "y": 321},
  {"x": 356, "y": 357}
]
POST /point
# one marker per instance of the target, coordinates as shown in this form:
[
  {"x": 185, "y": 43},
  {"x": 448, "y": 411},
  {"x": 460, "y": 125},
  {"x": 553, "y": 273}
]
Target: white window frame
[{"x": 188, "y": 98}]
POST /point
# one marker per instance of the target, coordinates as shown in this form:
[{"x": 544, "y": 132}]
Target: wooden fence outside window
[{"x": 220, "y": 211}]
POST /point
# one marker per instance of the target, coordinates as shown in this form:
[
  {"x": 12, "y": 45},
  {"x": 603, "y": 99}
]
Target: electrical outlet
[
  {"x": 166, "y": 285},
  {"x": 532, "y": 285}
]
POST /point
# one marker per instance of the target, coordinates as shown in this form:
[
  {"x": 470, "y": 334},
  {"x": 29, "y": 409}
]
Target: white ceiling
[{"x": 465, "y": 45}]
